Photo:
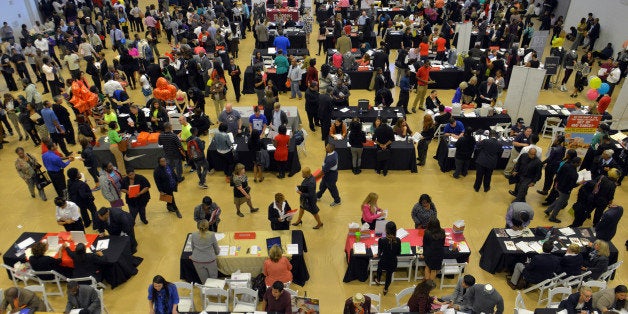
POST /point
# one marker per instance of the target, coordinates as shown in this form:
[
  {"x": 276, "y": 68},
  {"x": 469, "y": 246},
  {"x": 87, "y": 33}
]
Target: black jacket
[
  {"x": 464, "y": 147},
  {"x": 566, "y": 178},
  {"x": 528, "y": 168},
  {"x": 140, "y": 200},
  {"x": 570, "y": 264},
  {"x": 488, "y": 153},
  {"x": 491, "y": 93},
  {"x": 88, "y": 265},
  {"x": 597, "y": 264},
  {"x": 119, "y": 221},
  {"x": 80, "y": 193},
  {"x": 325, "y": 105},
  {"x": 607, "y": 226},
  {"x": 541, "y": 267},
  {"x": 163, "y": 181},
  {"x": 139, "y": 121},
  {"x": 311, "y": 101},
  {"x": 606, "y": 192},
  {"x": 89, "y": 159},
  {"x": 383, "y": 96},
  {"x": 273, "y": 216},
  {"x": 571, "y": 302}
]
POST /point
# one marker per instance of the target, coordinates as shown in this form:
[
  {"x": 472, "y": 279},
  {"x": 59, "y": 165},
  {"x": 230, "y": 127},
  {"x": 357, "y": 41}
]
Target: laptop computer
[
  {"x": 272, "y": 241},
  {"x": 380, "y": 227}
]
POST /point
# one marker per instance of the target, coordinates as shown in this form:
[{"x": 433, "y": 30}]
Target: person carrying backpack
[{"x": 196, "y": 155}]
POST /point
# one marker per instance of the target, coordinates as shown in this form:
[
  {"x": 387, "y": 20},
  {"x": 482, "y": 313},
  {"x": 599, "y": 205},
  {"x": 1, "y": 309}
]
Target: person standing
[
  {"x": 262, "y": 35},
  {"x": 111, "y": 183},
  {"x": 235, "y": 73},
  {"x": 433, "y": 243},
  {"x": 204, "y": 252},
  {"x": 241, "y": 189},
  {"x": 68, "y": 215},
  {"x": 282, "y": 66},
  {"x": 276, "y": 212},
  {"x": 566, "y": 181},
  {"x": 357, "y": 138},
  {"x": 521, "y": 140},
  {"x": 488, "y": 153},
  {"x": 464, "y": 150},
  {"x": 606, "y": 228},
  {"x": 55, "y": 165},
  {"x": 552, "y": 163},
  {"x": 210, "y": 211},
  {"x": 388, "y": 248},
  {"x": 7, "y": 71},
  {"x": 117, "y": 222},
  {"x": 527, "y": 171},
  {"x": 64, "y": 119},
  {"x": 423, "y": 79},
  {"x": 307, "y": 198},
  {"x": 166, "y": 180},
  {"x": 26, "y": 166},
  {"x": 196, "y": 155},
  {"x": 295, "y": 74},
  {"x": 80, "y": 194},
  {"x": 173, "y": 150},
  {"x": 329, "y": 174},
  {"x": 383, "y": 137},
  {"x": 311, "y": 105},
  {"x": 54, "y": 127},
  {"x": 404, "y": 91},
  {"x": 325, "y": 107},
  {"x": 136, "y": 201}
]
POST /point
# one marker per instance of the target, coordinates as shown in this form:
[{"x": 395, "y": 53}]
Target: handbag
[
  {"x": 123, "y": 146},
  {"x": 41, "y": 179}
]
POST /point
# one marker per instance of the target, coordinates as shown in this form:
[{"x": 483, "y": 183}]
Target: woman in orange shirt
[
  {"x": 281, "y": 150},
  {"x": 277, "y": 267},
  {"x": 424, "y": 49}
]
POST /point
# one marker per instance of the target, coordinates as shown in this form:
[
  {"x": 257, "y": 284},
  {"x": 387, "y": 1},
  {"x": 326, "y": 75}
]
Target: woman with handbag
[
  {"x": 241, "y": 189},
  {"x": 28, "y": 168},
  {"x": 111, "y": 182},
  {"x": 40, "y": 126}
]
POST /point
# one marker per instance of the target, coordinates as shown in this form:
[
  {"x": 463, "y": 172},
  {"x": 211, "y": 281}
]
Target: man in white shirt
[
  {"x": 111, "y": 86},
  {"x": 613, "y": 77},
  {"x": 41, "y": 44},
  {"x": 534, "y": 138},
  {"x": 72, "y": 61}
]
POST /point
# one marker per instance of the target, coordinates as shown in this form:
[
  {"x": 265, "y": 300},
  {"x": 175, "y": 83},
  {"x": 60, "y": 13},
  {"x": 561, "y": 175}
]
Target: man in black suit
[
  {"x": 541, "y": 267},
  {"x": 594, "y": 33},
  {"x": 325, "y": 106},
  {"x": 528, "y": 171},
  {"x": 566, "y": 180},
  {"x": 607, "y": 226},
  {"x": 487, "y": 92},
  {"x": 116, "y": 222},
  {"x": 603, "y": 193},
  {"x": 82, "y": 297},
  {"x": 579, "y": 302},
  {"x": 488, "y": 152}
]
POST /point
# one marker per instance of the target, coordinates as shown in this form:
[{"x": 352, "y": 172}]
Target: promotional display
[{"x": 579, "y": 132}]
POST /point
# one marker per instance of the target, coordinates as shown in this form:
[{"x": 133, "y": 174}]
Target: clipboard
[
  {"x": 134, "y": 190},
  {"x": 165, "y": 198}
]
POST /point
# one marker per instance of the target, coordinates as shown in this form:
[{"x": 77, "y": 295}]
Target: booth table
[
  {"x": 360, "y": 79},
  {"x": 403, "y": 156},
  {"x": 446, "y": 151},
  {"x": 539, "y": 117},
  {"x": 297, "y": 39},
  {"x": 271, "y": 14},
  {"x": 358, "y": 264},
  {"x": 294, "y": 120},
  {"x": 496, "y": 258},
  {"x": 248, "y": 86},
  {"x": 291, "y": 51},
  {"x": 141, "y": 157},
  {"x": 393, "y": 39},
  {"x": 120, "y": 264},
  {"x": 483, "y": 123},
  {"x": 246, "y": 157},
  {"x": 248, "y": 263},
  {"x": 387, "y": 113}
]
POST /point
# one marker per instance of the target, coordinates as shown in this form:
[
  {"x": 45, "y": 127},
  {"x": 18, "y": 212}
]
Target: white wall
[
  {"x": 18, "y": 12},
  {"x": 612, "y": 15}
]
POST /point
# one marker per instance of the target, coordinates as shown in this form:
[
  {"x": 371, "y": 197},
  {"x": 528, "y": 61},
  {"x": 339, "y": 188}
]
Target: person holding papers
[
  {"x": 209, "y": 211},
  {"x": 610, "y": 299},
  {"x": 420, "y": 301},
  {"x": 80, "y": 194},
  {"x": 277, "y": 211},
  {"x": 204, "y": 252},
  {"x": 137, "y": 189},
  {"x": 388, "y": 248},
  {"x": 458, "y": 297},
  {"x": 338, "y": 129},
  {"x": 541, "y": 267},
  {"x": 370, "y": 211},
  {"x": 433, "y": 244},
  {"x": 277, "y": 267},
  {"x": 166, "y": 181},
  {"x": 307, "y": 197},
  {"x": 454, "y": 129},
  {"x": 68, "y": 215},
  {"x": 566, "y": 180},
  {"x": 82, "y": 297},
  {"x": 21, "y": 298},
  {"x": 578, "y": 303}
]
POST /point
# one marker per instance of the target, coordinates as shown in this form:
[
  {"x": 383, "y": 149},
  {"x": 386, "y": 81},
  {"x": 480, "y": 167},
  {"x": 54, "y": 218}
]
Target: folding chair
[
  {"x": 186, "y": 300},
  {"x": 520, "y": 304},
  {"x": 563, "y": 292},
  {"x": 606, "y": 276},
  {"x": 372, "y": 270},
  {"x": 91, "y": 281},
  {"x": 15, "y": 277},
  {"x": 244, "y": 300},
  {"x": 398, "y": 309},
  {"x": 418, "y": 263},
  {"x": 451, "y": 269},
  {"x": 502, "y": 129},
  {"x": 549, "y": 125},
  {"x": 404, "y": 262},
  {"x": 599, "y": 284},
  {"x": 57, "y": 278},
  {"x": 541, "y": 286},
  {"x": 40, "y": 288},
  {"x": 439, "y": 132},
  {"x": 402, "y": 294},
  {"x": 213, "y": 299},
  {"x": 101, "y": 296},
  {"x": 574, "y": 282},
  {"x": 376, "y": 300}
]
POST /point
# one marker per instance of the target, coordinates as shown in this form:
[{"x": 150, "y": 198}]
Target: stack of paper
[
  {"x": 102, "y": 244},
  {"x": 359, "y": 248},
  {"x": 510, "y": 246},
  {"x": 293, "y": 249},
  {"x": 513, "y": 233},
  {"x": 536, "y": 246},
  {"x": 254, "y": 250},
  {"x": 554, "y": 112},
  {"x": 26, "y": 243},
  {"x": 224, "y": 250},
  {"x": 343, "y": 110},
  {"x": 527, "y": 233},
  {"x": 524, "y": 247},
  {"x": 567, "y": 231},
  {"x": 470, "y": 114},
  {"x": 402, "y": 233},
  {"x": 565, "y": 112},
  {"x": 232, "y": 250},
  {"x": 575, "y": 241},
  {"x": 270, "y": 147},
  {"x": 556, "y": 107},
  {"x": 215, "y": 283},
  {"x": 463, "y": 247}
]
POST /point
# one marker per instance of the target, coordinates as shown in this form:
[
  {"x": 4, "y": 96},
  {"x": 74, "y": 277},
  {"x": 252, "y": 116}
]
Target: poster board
[
  {"x": 620, "y": 109},
  {"x": 579, "y": 132},
  {"x": 523, "y": 92},
  {"x": 538, "y": 42},
  {"x": 464, "y": 36},
  {"x": 551, "y": 65},
  {"x": 306, "y": 305}
]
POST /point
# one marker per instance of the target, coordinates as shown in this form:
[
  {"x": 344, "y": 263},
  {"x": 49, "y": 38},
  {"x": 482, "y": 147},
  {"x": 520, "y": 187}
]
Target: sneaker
[
  {"x": 334, "y": 204},
  {"x": 96, "y": 189},
  {"x": 192, "y": 170}
]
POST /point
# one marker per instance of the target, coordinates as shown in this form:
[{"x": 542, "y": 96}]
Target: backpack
[
  {"x": 259, "y": 283},
  {"x": 194, "y": 151},
  {"x": 298, "y": 137},
  {"x": 148, "y": 54}
]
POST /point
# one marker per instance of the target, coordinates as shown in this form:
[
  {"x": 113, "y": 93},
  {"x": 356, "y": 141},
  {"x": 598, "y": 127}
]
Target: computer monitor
[
  {"x": 363, "y": 104},
  {"x": 380, "y": 226},
  {"x": 272, "y": 241}
]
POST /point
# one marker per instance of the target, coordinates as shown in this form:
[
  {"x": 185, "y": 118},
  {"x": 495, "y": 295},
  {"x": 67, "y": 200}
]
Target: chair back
[
  {"x": 520, "y": 304},
  {"x": 401, "y": 294},
  {"x": 599, "y": 284},
  {"x": 574, "y": 281},
  {"x": 213, "y": 299},
  {"x": 186, "y": 299},
  {"x": 39, "y": 288},
  {"x": 246, "y": 297},
  {"x": 562, "y": 292},
  {"x": 399, "y": 309},
  {"x": 15, "y": 277},
  {"x": 376, "y": 300}
]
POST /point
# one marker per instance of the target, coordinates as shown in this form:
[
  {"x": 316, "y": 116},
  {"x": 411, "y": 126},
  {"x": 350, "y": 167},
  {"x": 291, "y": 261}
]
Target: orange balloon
[{"x": 439, "y": 3}]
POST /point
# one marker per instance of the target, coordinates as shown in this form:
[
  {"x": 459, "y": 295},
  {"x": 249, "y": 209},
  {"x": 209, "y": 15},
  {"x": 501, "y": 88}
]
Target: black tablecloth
[
  {"x": 120, "y": 264},
  {"x": 295, "y": 52},
  {"x": 392, "y": 13},
  {"x": 300, "y": 274},
  {"x": 393, "y": 39},
  {"x": 246, "y": 157},
  {"x": 447, "y": 163},
  {"x": 539, "y": 117},
  {"x": 358, "y": 264},
  {"x": 403, "y": 156},
  {"x": 496, "y": 258},
  {"x": 142, "y": 157},
  {"x": 446, "y": 78},
  {"x": 360, "y": 79},
  {"x": 248, "y": 87},
  {"x": 484, "y": 123},
  {"x": 367, "y": 116},
  {"x": 297, "y": 39}
]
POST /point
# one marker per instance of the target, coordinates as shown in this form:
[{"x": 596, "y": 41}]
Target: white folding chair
[
  {"x": 213, "y": 299},
  {"x": 418, "y": 263},
  {"x": 244, "y": 300},
  {"x": 520, "y": 304},
  {"x": 372, "y": 270},
  {"x": 101, "y": 296},
  {"x": 40, "y": 288},
  {"x": 454, "y": 269},
  {"x": 398, "y": 309},
  {"x": 557, "y": 131},
  {"x": 15, "y": 277},
  {"x": 402, "y": 294},
  {"x": 56, "y": 279},
  {"x": 376, "y": 300},
  {"x": 549, "y": 125},
  {"x": 599, "y": 284},
  {"x": 439, "y": 132},
  {"x": 91, "y": 281},
  {"x": 404, "y": 262},
  {"x": 541, "y": 286},
  {"x": 502, "y": 129},
  {"x": 186, "y": 300},
  {"x": 562, "y": 292},
  {"x": 606, "y": 276},
  {"x": 574, "y": 282}
]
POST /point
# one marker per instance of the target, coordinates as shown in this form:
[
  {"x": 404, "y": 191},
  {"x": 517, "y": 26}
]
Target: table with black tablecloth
[
  {"x": 387, "y": 113},
  {"x": 358, "y": 264},
  {"x": 141, "y": 157},
  {"x": 539, "y": 117},
  {"x": 448, "y": 78},
  {"x": 246, "y": 157},
  {"x": 271, "y": 14},
  {"x": 300, "y": 274},
  {"x": 446, "y": 150},
  {"x": 291, "y": 51},
  {"x": 248, "y": 86},
  {"x": 119, "y": 266},
  {"x": 292, "y": 112},
  {"x": 403, "y": 156},
  {"x": 393, "y": 39},
  {"x": 360, "y": 79},
  {"x": 496, "y": 258},
  {"x": 392, "y": 12},
  {"x": 483, "y": 123},
  {"x": 297, "y": 39}
]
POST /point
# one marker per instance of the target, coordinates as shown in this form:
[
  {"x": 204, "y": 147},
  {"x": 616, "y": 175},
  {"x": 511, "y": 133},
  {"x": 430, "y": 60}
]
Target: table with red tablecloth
[
  {"x": 119, "y": 266},
  {"x": 271, "y": 14},
  {"x": 357, "y": 264}
]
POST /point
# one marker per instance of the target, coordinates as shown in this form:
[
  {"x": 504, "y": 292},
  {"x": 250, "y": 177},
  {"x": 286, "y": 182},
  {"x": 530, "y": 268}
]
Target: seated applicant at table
[
  {"x": 358, "y": 303},
  {"x": 611, "y": 299},
  {"x": 423, "y": 211},
  {"x": 519, "y": 215},
  {"x": 402, "y": 128},
  {"x": 85, "y": 264},
  {"x": 277, "y": 267},
  {"x": 432, "y": 102},
  {"x": 277, "y": 300},
  {"x": 484, "y": 299},
  {"x": 338, "y": 128},
  {"x": 82, "y": 297},
  {"x": 370, "y": 211},
  {"x": 571, "y": 262},
  {"x": 20, "y": 299},
  {"x": 39, "y": 261},
  {"x": 596, "y": 258},
  {"x": 276, "y": 210},
  {"x": 454, "y": 128},
  {"x": 542, "y": 266},
  {"x": 458, "y": 296},
  {"x": 578, "y": 303}
]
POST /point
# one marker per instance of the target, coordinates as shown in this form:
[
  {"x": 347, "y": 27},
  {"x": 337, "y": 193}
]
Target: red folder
[
  {"x": 244, "y": 235},
  {"x": 134, "y": 190}
]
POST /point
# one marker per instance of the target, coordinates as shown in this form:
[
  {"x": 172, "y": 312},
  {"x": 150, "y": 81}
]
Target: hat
[
  {"x": 358, "y": 298},
  {"x": 520, "y": 120}
]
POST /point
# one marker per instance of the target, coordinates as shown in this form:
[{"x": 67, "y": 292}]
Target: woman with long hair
[
  {"x": 597, "y": 261},
  {"x": 204, "y": 251},
  {"x": 388, "y": 248},
  {"x": 420, "y": 301},
  {"x": 427, "y": 134},
  {"x": 433, "y": 244},
  {"x": 163, "y": 297},
  {"x": 423, "y": 211},
  {"x": 277, "y": 267},
  {"x": 307, "y": 197},
  {"x": 241, "y": 189},
  {"x": 277, "y": 211},
  {"x": 370, "y": 211}
]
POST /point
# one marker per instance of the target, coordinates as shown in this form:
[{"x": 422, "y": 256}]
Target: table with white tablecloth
[{"x": 294, "y": 120}]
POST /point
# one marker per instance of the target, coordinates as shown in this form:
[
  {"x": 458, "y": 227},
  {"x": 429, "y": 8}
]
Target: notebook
[{"x": 272, "y": 241}]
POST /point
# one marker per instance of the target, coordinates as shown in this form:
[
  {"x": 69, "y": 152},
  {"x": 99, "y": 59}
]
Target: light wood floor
[{"x": 161, "y": 241}]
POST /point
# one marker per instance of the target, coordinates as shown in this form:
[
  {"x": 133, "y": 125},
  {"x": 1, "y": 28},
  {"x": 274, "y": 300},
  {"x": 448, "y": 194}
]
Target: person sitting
[
  {"x": 420, "y": 301},
  {"x": 517, "y": 128},
  {"x": 571, "y": 262},
  {"x": 443, "y": 116},
  {"x": 401, "y": 128},
  {"x": 519, "y": 215},
  {"x": 579, "y": 302},
  {"x": 338, "y": 128},
  {"x": 423, "y": 211},
  {"x": 541, "y": 267},
  {"x": 454, "y": 128},
  {"x": 277, "y": 267},
  {"x": 610, "y": 299},
  {"x": 370, "y": 211},
  {"x": 276, "y": 299},
  {"x": 41, "y": 262},
  {"x": 457, "y": 298},
  {"x": 85, "y": 264},
  {"x": 604, "y": 54},
  {"x": 457, "y": 99},
  {"x": 597, "y": 260},
  {"x": 82, "y": 297},
  {"x": 277, "y": 211},
  {"x": 358, "y": 303},
  {"x": 21, "y": 299},
  {"x": 432, "y": 102},
  {"x": 484, "y": 299}
]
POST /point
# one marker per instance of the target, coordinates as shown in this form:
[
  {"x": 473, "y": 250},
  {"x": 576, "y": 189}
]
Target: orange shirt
[
  {"x": 424, "y": 49},
  {"x": 423, "y": 74},
  {"x": 277, "y": 271},
  {"x": 440, "y": 44}
]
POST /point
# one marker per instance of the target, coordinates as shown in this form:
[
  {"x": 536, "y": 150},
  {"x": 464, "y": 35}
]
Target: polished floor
[{"x": 161, "y": 241}]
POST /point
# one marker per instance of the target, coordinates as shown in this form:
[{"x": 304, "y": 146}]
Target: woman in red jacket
[{"x": 281, "y": 150}]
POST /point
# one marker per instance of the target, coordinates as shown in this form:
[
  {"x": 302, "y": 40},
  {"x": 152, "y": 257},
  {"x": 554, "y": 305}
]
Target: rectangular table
[
  {"x": 403, "y": 156},
  {"x": 295, "y": 52},
  {"x": 248, "y": 86},
  {"x": 141, "y": 157},
  {"x": 294, "y": 119},
  {"x": 271, "y": 14},
  {"x": 120, "y": 264},
  {"x": 358, "y": 264},
  {"x": 496, "y": 258},
  {"x": 539, "y": 117},
  {"x": 246, "y": 157},
  {"x": 297, "y": 39},
  {"x": 360, "y": 79},
  {"x": 484, "y": 123},
  {"x": 446, "y": 150},
  {"x": 387, "y": 113},
  {"x": 249, "y": 263}
]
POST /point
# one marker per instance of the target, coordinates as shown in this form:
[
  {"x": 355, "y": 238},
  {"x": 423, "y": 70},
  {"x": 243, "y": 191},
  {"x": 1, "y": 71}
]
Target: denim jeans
[
  {"x": 202, "y": 166},
  {"x": 294, "y": 89}
]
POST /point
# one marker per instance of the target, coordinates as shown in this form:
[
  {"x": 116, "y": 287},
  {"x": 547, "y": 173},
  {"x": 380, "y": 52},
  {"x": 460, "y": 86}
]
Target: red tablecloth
[
  {"x": 272, "y": 13},
  {"x": 415, "y": 237},
  {"x": 66, "y": 261}
]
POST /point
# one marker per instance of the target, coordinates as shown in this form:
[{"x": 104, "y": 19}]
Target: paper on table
[
  {"x": 463, "y": 247},
  {"x": 556, "y": 107},
  {"x": 254, "y": 249},
  {"x": 272, "y": 50},
  {"x": 567, "y": 231},
  {"x": 270, "y": 147},
  {"x": 292, "y": 248},
  {"x": 575, "y": 241},
  {"x": 26, "y": 243},
  {"x": 510, "y": 246},
  {"x": 359, "y": 248},
  {"x": 402, "y": 233},
  {"x": 470, "y": 114},
  {"x": 224, "y": 250},
  {"x": 565, "y": 112},
  {"x": 232, "y": 250},
  {"x": 535, "y": 246},
  {"x": 102, "y": 244},
  {"x": 343, "y": 110},
  {"x": 219, "y": 236},
  {"x": 524, "y": 247},
  {"x": 506, "y": 153},
  {"x": 374, "y": 249},
  {"x": 551, "y": 111},
  {"x": 513, "y": 233}
]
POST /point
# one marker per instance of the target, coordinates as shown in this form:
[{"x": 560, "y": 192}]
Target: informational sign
[
  {"x": 551, "y": 65},
  {"x": 538, "y": 42},
  {"x": 306, "y": 305},
  {"x": 579, "y": 132}
]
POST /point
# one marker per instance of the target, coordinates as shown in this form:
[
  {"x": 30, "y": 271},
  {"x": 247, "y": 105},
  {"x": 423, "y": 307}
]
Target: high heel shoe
[
  {"x": 385, "y": 291},
  {"x": 318, "y": 226},
  {"x": 298, "y": 223}
]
